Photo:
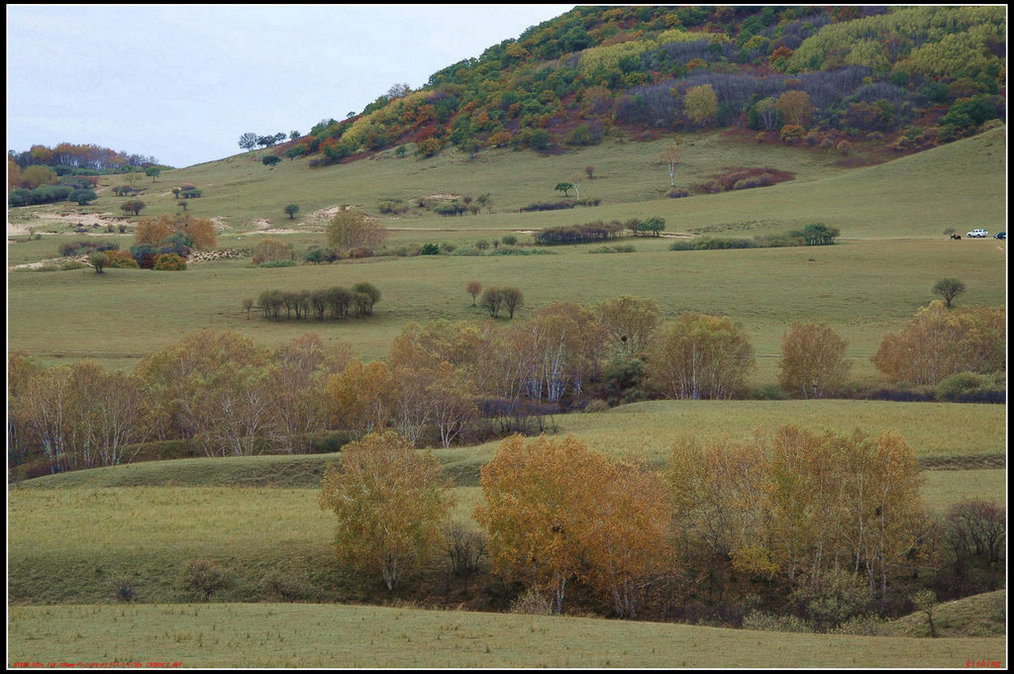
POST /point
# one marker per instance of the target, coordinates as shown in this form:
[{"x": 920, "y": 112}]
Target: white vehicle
[{"x": 978, "y": 234}]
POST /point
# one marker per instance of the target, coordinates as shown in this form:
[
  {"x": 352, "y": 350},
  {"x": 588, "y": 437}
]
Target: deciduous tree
[
  {"x": 939, "y": 342},
  {"x": 512, "y": 299},
  {"x": 813, "y": 361},
  {"x": 701, "y": 356},
  {"x": 555, "y": 511},
  {"x": 473, "y": 288},
  {"x": 795, "y": 107},
  {"x": 670, "y": 157},
  {"x": 629, "y": 323},
  {"x": 271, "y": 250},
  {"x": 354, "y": 229},
  {"x": 949, "y": 289},
  {"x": 391, "y": 502},
  {"x": 363, "y": 397},
  {"x": 700, "y": 104},
  {"x": 211, "y": 387}
]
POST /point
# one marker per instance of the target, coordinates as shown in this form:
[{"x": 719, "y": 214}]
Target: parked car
[
  {"x": 978, "y": 234},
  {"x": 1000, "y": 235}
]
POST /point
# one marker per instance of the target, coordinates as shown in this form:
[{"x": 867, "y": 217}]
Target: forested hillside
[{"x": 905, "y": 77}]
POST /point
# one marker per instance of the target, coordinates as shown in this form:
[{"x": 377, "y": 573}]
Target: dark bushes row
[
  {"x": 335, "y": 303},
  {"x": 590, "y": 232},
  {"x": 560, "y": 205}
]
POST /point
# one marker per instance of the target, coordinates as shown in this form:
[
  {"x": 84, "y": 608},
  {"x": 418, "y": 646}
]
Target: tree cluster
[
  {"x": 446, "y": 382},
  {"x": 67, "y": 158},
  {"x": 939, "y": 342},
  {"x": 591, "y": 232},
  {"x": 336, "y": 303}
]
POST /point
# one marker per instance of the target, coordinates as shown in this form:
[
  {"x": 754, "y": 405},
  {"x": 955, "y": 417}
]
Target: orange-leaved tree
[
  {"x": 555, "y": 511},
  {"x": 391, "y": 502}
]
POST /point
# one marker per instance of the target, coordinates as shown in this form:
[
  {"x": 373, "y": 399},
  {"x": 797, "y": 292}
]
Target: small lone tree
[
  {"x": 291, "y": 210},
  {"x": 512, "y": 299},
  {"x": 99, "y": 261},
  {"x": 134, "y": 207},
  {"x": 473, "y": 288},
  {"x": 671, "y": 158},
  {"x": 564, "y": 187},
  {"x": 948, "y": 289},
  {"x": 491, "y": 301}
]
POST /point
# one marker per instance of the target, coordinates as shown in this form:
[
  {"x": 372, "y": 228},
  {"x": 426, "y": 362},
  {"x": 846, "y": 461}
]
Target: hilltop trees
[{"x": 248, "y": 140}]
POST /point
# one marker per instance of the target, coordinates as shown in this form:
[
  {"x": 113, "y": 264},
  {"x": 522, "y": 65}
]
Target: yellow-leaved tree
[
  {"x": 555, "y": 511},
  {"x": 813, "y": 361},
  {"x": 392, "y": 503}
]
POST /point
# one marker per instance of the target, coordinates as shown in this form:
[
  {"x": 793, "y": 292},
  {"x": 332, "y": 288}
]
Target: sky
[{"x": 182, "y": 83}]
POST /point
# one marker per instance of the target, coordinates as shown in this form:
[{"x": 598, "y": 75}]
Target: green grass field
[
  {"x": 287, "y": 635},
  {"x": 75, "y": 539}
]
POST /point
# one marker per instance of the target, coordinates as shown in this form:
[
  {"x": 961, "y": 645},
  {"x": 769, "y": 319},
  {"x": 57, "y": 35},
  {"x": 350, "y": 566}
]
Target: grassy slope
[
  {"x": 286, "y": 635},
  {"x": 890, "y": 215},
  {"x": 966, "y": 433},
  {"x": 870, "y": 284},
  {"x": 981, "y": 615}
]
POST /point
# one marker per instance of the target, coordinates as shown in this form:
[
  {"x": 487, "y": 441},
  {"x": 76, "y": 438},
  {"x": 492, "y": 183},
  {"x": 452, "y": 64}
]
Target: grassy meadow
[
  {"x": 298, "y": 635},
  {"x": 76, "y": 540}
]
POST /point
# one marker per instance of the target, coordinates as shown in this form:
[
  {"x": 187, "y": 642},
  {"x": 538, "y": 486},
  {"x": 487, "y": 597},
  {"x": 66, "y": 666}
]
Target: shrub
[
  {"x": 204, "y": 577},
  {"x": 168, "y": 262},
  {"x": 392, "y": 207},
  {"x": 830, "y": 598},
  {"x": 277, "y": 263},
  {"x": 144, "y": 255},
  {"x": 951, "y": 388},
  {"x": 532, "y": 602},
  {"x": 429, "y": 249},
  {"x": 119, "y": 259},
  {"x": 271, "y": 250},
  {"x": 509, "y": 240}
]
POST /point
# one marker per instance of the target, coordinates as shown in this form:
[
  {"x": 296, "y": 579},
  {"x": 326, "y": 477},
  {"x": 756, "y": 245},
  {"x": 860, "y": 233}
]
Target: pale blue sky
[{"x": 183, "y": 82}]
